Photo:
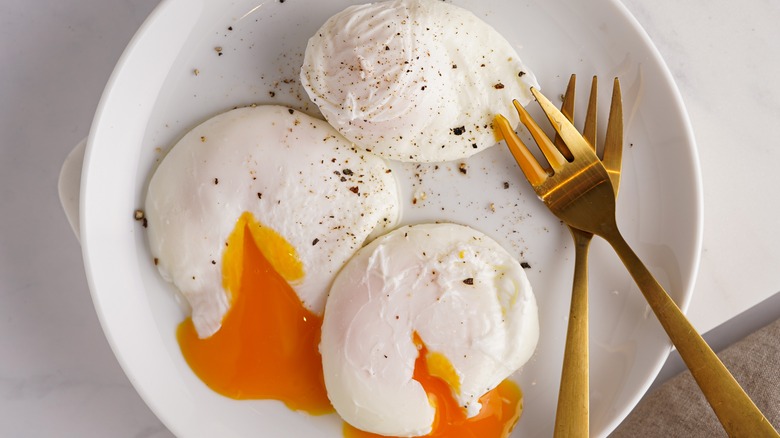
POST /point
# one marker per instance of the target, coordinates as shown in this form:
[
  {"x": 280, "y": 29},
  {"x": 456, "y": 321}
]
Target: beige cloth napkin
[{"x": 678, "y": 408}]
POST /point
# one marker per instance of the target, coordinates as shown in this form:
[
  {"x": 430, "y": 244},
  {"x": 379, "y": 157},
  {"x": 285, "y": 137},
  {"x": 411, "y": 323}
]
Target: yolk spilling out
[
  {"x": 501, "y": 407},
  {"x": 267, "y": 346}
]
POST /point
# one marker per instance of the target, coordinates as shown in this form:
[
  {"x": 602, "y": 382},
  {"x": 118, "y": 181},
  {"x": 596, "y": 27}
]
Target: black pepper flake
[
  {"x": 347, "y": 172},
  {"x": 521, "y": 74},
  {"x": 506, "y": 185},
  {"x": 459, "y": 130},
  {"x": 144, "y": 223},
  {"x": 463, "y": 169},
  {"x": 290, "y": 110},
  {"x": 213, "y": 262},
  {"x": 474, "y": 145},
  {"x": 230, "y": 27},
  {"x": 271, "y": 93},
  {"x": 387, "y": 47},
  {"x": 525, "y": 265},
  {"x": 498, "y": 86},
  {"x": 216, "y": 181},
  {"x": 343, "y": 179},
  {"x": 259, "y": 195},
  {"x": 469, "y": 281},
  {"x": 156, "y": 261},
  {"x": 314, "y": 242},
  {"x": 355, "y": 190},
  {"x": 454, "y": 65}
]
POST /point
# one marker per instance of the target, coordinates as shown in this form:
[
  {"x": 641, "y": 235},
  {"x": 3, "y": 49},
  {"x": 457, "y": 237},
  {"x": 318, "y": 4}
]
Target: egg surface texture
[
  {"x": 414, "y": 80},
  {"x": 443, "y": 287},
  {"x": 313, "y": 197}
]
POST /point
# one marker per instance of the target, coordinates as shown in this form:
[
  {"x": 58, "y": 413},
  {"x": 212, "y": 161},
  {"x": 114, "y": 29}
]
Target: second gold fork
[{"x": 572, "y": 418}]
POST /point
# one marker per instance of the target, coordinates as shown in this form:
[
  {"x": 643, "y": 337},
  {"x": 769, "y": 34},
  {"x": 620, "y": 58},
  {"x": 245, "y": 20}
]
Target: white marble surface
[{"x": 57, "y": 375}]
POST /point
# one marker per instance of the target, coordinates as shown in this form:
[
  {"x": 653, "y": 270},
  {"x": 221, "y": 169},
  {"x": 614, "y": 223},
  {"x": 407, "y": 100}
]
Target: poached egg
[
  {"x": 440, "y": 296},
  {"x": 251, "y": 215},
  {"x": 414, "y": 80}
]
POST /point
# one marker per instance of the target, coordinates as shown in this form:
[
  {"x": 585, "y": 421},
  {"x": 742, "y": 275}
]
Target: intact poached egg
[{"x": 414, "y": 80}]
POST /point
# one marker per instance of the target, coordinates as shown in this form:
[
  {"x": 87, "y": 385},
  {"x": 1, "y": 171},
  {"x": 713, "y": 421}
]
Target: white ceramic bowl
[{"x": 154, "y": 97}]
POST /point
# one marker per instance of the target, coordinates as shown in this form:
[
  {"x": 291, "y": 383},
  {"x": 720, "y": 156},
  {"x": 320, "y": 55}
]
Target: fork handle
[
  {"x": 572, "y": 414},
  {"x": 736, "y": 411}
]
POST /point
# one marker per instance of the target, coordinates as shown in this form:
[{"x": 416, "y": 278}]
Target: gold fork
[
  {"x": 572, "y": 415},
  {"x": 581, "y": 194}
]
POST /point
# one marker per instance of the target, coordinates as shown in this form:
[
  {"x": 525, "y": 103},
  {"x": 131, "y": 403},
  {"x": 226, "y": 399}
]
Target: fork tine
[
  {"x": 554, "y": 157},
  {"x": 567, "y": 108},
  {"x": 613, "y": 143},
  {"x": 531, "y": 168},
  {"x": 591, "y": 119},
  {"x": 576, "y": 142}
]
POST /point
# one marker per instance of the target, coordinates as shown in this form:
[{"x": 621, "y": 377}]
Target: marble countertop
[{"x": 58, "y": 376}]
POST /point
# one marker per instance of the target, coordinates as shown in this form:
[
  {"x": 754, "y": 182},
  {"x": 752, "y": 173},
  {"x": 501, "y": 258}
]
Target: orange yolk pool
[
  {"x": 267, "y": 347},
  {"x": 501, "y": 407}
]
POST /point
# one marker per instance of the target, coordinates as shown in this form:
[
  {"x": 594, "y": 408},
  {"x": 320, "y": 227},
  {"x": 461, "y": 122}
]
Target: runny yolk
[
  {"x": 267, "y": 347},
  {"x": 501, "y": 407}
]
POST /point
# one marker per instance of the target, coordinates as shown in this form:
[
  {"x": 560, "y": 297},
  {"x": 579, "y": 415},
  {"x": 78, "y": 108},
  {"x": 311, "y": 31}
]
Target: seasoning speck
[
  {"x": 498, "y": 86},
  {"x": 459, "y": 130},
  {"x": 525, "y": 265},
  {"x": 506, "y": 185},
  {"x": 139, "y": 214},
  {"x": 355, "y": 190},
  {"x": 156, "y": 261},
  {"x": 196, "y": 72},
  {"x": 469, "y": 281},
  {"x": 347, "y": 172},
  {"x": 314, "y": 242},
  {"x": 216, "y": 181},
  {"x": 463, "y": 168}
]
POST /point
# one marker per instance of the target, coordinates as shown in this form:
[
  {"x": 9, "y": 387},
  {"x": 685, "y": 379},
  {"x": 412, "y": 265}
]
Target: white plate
[{"x": 154, "y": 97}]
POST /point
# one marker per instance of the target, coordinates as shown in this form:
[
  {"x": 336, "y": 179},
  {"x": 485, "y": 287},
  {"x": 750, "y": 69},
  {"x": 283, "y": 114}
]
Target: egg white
[
  {"x": 414, "y": 80},
  {"x": 461, "y": 292},
  {"x": 293, "y": 172}
]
